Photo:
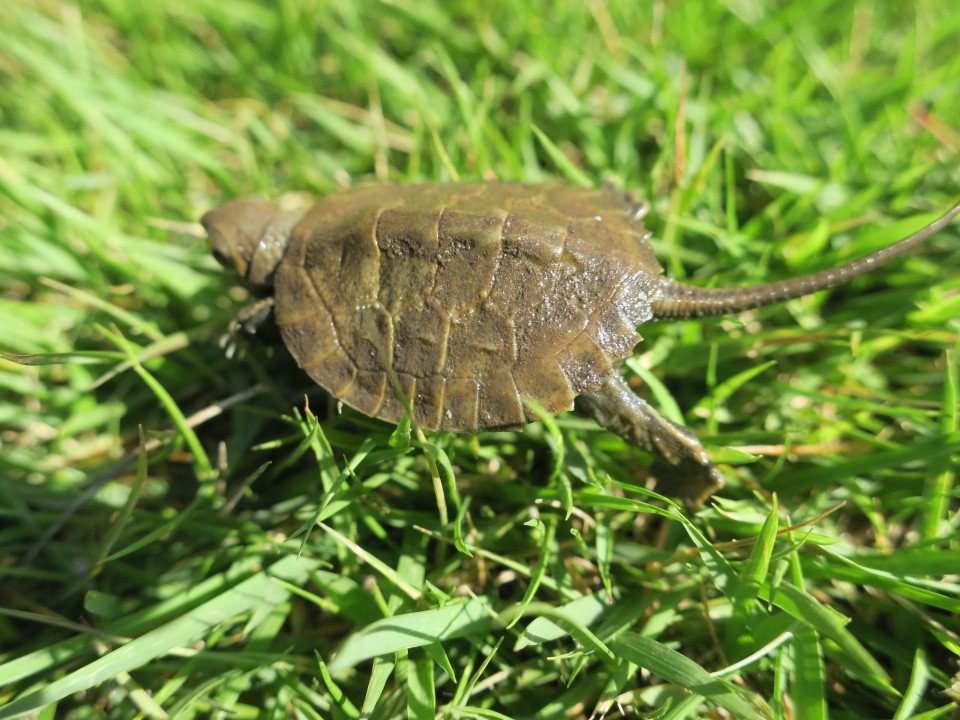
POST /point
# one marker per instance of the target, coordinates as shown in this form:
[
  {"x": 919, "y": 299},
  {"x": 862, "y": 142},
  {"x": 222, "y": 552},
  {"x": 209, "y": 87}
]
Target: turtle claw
[
  {"x": 690, "y": 479},
  {"x": 247, "y": 322},
  {"x": 251, "y": 317}
]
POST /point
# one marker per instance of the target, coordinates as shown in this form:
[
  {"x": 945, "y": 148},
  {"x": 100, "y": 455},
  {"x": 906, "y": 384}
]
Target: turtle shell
[{"x": 465, "y": 300}]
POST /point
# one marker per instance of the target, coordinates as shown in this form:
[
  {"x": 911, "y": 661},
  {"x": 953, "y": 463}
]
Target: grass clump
[{"x": 183, "y": 535}]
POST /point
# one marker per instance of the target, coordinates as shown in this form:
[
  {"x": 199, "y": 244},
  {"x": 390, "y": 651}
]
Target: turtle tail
[{"x": 679, "y": 301}]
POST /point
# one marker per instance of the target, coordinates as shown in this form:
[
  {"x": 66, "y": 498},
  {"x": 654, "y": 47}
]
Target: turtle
[{"x": 479, "y": 305}]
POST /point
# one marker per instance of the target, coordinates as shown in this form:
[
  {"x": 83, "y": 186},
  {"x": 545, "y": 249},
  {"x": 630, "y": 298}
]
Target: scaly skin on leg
[
  {"x": 681, "y": 465},
  {"x": 247, "y": 321},
  {"x": 252, "y": 316}
]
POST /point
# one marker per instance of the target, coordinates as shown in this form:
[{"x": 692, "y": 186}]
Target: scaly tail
[{"x": 677, "y": 300}]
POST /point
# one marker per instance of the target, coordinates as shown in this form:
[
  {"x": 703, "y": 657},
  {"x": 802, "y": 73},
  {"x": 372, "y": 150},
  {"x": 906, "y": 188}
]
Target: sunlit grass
[{"x": 274, "y": 559}]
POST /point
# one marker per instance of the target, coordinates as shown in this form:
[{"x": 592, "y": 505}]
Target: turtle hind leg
[
  {"x": 681, "y": 465},
  {"x": 637, "y": 208}
]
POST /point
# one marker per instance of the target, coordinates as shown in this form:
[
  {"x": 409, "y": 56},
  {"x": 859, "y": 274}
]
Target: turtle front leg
[
  {"x": 252, "y": 316},
  {"x": 247, "y": 321},
  {"x": 681, "y": 465}
]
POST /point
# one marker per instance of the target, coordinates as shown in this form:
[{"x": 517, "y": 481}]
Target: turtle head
[{"x": 250, "y": 235}]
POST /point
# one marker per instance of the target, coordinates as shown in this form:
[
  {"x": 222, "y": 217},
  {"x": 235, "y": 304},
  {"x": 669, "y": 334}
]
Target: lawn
[{"x": 190, "y": 533}]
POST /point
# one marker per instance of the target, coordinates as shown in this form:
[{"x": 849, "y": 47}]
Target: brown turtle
[{"x": 466, "y": 301}]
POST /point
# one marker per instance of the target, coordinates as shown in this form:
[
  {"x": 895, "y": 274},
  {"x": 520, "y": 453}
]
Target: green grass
[{"x": 181, "y": 537}]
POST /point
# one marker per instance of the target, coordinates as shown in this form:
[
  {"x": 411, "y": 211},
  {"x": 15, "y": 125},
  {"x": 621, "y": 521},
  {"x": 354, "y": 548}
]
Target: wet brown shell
[{"x": 467, "y": 300}]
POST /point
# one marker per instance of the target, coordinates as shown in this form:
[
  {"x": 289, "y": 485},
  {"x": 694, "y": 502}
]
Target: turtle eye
[{"x": 221, "y": 258}]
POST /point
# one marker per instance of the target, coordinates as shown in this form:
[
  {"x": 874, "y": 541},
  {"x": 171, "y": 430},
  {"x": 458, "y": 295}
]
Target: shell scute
[
  {"x": 358, "y": 270},
  {"x": 584, "y": 363},
  {"x": 428, "y": 399},
  {"x": 394, "y": 403},
  {"x": 466, "y": 240},
  {"x": 408, "y": 242},
  {"x": 614, "y": 333},
  {"x": 499, "y": 404},
  {"x": 367, "y": 392},
  {"x": 548, "y": 326},
  {"x": 300, "y": 299},
  {"x": 531, "y": 250},
  {"x": 480, "y": 344},
  {"x": 542, "y": 380},
  {"x": 336, "y": 373},
  {"x": 460, "y": 399},
  {"x": 368, "y": 338},
  {"x": 420, "y": 346}
]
